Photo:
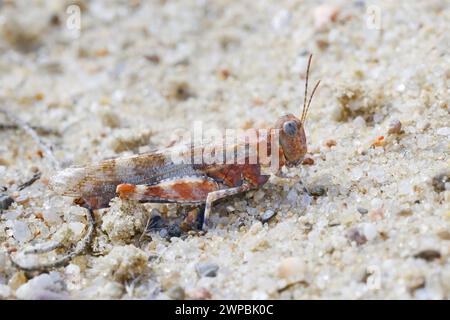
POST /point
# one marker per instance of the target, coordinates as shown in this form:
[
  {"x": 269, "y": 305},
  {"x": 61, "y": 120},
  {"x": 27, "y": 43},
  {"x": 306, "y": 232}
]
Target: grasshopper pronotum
[{"x": 155, "y": 177}]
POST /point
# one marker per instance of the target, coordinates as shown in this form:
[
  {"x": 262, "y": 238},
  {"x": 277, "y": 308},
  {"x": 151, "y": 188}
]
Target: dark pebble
[
  {"x": 181, "y": 91},
  {"x": 155, "y": 223},
  {"x": 405, "y": 213},
  {"x": 356, "y": 236},
  {"x": 153, "y": 58},
  {"x": 440, "y": 180},
  {"x": 176, "y": 293},
  {"x": 267, "y": 215},
  {"x": 5, "y": 201},
  {"x": 362, "y": 210},
  {"x": 174, "y": 230},
  {"x": 360, "y": 4},
  {"x": 207, "y": 269},
  {"x": 200, "y": 217},
  {"x": 307, "y": 227},
  {"x": 317, "y": 191},
  {"x": 163, "y": 233},
  {"x": 428, "y": 255}
]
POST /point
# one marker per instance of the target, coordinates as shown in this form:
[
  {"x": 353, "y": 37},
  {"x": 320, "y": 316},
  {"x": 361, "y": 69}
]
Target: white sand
[{"x": 139, "y": 74}]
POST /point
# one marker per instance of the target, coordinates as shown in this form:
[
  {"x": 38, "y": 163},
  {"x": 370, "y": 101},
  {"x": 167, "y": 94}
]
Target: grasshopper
[{"x": 155, "y": 177}]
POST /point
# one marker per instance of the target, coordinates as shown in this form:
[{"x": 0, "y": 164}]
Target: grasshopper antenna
[{"x": 306, "y": 105}]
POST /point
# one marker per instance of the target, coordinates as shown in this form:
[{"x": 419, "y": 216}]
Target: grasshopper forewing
[{"x": 156, "y": 177}]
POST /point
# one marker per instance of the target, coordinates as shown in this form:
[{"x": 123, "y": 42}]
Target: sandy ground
[{"x": 376, "y": 221}]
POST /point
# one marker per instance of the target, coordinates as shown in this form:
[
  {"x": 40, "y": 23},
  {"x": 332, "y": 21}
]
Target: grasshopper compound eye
[{"x": 290, "y": 128}]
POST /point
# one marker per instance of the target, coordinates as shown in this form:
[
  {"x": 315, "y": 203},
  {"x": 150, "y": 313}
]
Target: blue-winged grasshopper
[{"x": 156, "y": 177}]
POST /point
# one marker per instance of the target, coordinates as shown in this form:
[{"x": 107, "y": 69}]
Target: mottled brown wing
[{"x": 103, "y": 177}]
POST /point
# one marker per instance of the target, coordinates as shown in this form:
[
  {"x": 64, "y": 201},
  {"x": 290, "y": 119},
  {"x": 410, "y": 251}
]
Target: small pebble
[
  {"x": 291, "y": 268},
  {"x": 163, "y": 233},
  {"x": 443, "y": 131},
  {"x": 416, "y": 284},
  {"x": 5, "y": 201},
  {"x": 324, "y": 15},
  {"x": 292, "y": 196},
  {"x": 155, "y": 223},
  {"x": 51, "y": 217},
  {"x": 5, "y": 291},
  {"x": 153, "y": 58},
  {"x": 330, "y": 143},
  {"x": 18, "y": 279},
  {"x": 176, "y": 293},
  {"x": 267, "y": 215},
  {"x": 224, "y": 74},
  {"x": 174, "y": 230},
  {"x": 322, "y": 44},
  {"x": 200, "y": 294},
  {"x": 307, "y": 227},
  {"x": 370, "y": 231},
  {"x": 362, "y": 210},
  {"x": 259, "y": 195},
  {"x": 376, "y": 214},
  {"x": 21, "y": 231},
  {"x": 193, "y": 220},
  {"x": 230, "y": 209},
  {"x": 43, "y": 287},
  {"x": 355, "y": 236},
  {"x": 405, "y": 213},
  {"x": 317, "y": 191},
  {"x": 428, "y": 255},
  {"x": 395, "y": 127},
  {"x": 180, "y": 91},
  {"x": 440, "y": 180},
  {"x": 207, "y": 269},
  {"x": 308, "y": 161},
  {"x": 401, "y": 87},
  {"x": 281, "y": 20},
  {"x": 109, "y": 119},
  {"x": 252, "y": 211}
]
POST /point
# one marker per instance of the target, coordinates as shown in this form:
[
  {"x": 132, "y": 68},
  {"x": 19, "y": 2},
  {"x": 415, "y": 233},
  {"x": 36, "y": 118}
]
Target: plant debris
[
  {"x": 428, "y": 255},
  {"x": 440, "y": 180}
]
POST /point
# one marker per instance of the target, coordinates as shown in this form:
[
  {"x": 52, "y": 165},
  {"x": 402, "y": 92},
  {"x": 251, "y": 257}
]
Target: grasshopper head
[
  {"x": 292, "y": 139},
  {"x": 292, "y": 129}
]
